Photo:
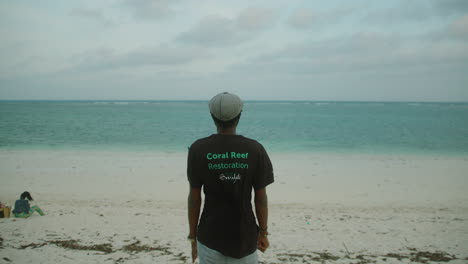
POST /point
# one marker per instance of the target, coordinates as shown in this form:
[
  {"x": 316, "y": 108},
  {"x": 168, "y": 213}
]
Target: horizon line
[{"x": 206, "y": 100}]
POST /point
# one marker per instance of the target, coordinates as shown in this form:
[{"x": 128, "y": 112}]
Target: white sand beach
[{"x": 129, "y": 207}]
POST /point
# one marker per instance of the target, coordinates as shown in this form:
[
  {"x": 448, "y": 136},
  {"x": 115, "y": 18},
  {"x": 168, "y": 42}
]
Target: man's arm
[
  {"x": 194, "y": 204},
  {"x": 261, "y": 209}
]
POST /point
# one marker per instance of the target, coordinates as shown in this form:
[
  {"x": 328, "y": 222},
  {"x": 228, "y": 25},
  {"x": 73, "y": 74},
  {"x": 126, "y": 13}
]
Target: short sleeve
[
  {"x": 193, "y": 171},
  {"x": 264, "y": 175}
]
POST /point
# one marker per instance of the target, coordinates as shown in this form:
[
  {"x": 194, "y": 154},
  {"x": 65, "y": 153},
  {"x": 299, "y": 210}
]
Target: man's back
[{"x": 228, "y": 166}]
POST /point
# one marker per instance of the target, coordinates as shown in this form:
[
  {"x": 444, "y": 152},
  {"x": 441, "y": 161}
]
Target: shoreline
[{"x": 271, "y": 151}]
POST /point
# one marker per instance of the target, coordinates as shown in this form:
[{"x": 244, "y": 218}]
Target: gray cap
[{"x": 225, "y": 106}]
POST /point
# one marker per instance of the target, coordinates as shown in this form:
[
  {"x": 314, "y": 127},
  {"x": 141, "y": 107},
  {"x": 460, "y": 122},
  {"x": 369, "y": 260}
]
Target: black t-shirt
[{"x": 228, "y": 167}]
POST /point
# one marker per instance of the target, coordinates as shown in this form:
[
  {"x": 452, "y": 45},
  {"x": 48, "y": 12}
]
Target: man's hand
[
  {"x": 262, "y": 242},
  {"x": 194, "y": 251}
]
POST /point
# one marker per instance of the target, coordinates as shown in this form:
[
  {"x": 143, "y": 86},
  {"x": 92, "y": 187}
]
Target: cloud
[
  {"x": 214, "y": 30},
  {"x": 361, "y": 52},
  {"x": 91, "y": 14},
  {"x": 450, "y": 7},
  {"x": 460, "y": 27},
  {"x": 417, "y": 11},
  {"x": 456, "y": 31},
  {"x": 305, "y": 18},
  {"x": 212, "y": 44},
  {"x": 410, "y": 11},
  {"x": 302, "y": 18},
  {"x": 254, "y": 19},
  {"x": 149, "y": 9},
  {"x": 164, "y": 56}
]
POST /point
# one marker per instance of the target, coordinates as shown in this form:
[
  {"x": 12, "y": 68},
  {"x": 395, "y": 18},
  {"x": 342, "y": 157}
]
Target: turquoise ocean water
[{"x": 356, "y": 127}]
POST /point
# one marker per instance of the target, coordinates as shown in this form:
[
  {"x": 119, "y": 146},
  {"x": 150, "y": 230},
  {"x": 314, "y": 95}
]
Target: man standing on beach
[{"x": 228, "y": 166}]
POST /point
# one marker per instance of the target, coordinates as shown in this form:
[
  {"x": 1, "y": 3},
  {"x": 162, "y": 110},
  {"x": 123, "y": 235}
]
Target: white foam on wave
[{"x": 269, "y": 103}]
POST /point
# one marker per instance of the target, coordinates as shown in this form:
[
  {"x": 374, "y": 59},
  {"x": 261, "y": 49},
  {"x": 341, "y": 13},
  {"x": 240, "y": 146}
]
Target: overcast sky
[{"x": 378, "y": 50}]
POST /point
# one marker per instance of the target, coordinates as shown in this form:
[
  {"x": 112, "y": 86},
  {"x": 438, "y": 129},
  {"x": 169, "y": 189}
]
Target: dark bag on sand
[{"x": 5, "y": 212}]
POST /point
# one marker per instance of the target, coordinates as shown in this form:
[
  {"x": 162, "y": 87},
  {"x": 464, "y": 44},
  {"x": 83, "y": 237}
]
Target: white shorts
[{"x": 207, "y": 255}]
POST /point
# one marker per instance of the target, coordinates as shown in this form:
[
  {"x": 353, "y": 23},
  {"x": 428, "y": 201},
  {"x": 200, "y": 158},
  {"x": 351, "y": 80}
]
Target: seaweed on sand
[
  {"x": 137, "y": 247},
  {"x": 72, "y": 244}
]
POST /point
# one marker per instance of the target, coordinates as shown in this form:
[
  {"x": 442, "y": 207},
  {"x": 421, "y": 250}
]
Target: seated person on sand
[{"x": 22, "y": 208}]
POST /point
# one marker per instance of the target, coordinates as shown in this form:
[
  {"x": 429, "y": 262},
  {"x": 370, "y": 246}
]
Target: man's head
[{"x": 226, "y": 108}]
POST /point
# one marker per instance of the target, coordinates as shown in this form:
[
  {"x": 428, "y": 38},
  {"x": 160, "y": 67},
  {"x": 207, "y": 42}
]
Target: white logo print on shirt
[{"x": 231, "y": 178}]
